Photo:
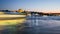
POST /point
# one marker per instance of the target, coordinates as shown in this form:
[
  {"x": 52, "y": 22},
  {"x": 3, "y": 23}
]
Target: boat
[
  {"x": 11, "y": 19},
  {"x": 45, "y": 16}
]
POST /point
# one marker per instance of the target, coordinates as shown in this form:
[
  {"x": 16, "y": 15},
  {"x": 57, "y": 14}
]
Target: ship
[{"x": 12, "y": 19}]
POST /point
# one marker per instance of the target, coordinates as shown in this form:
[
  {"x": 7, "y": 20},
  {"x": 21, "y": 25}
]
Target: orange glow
[{"x": 45, "y": 10}]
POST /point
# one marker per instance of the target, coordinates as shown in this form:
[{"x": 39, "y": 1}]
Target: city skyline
[{"x": 32, "y": 5}]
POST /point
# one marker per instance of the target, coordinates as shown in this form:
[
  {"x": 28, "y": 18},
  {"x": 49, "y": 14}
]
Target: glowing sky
[{"x": 37, "y": 5}]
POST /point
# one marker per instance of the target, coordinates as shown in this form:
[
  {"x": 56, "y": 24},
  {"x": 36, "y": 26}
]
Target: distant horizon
[
  {"x": 31, "y": 5},
  {"x": 46, "y": 11}
]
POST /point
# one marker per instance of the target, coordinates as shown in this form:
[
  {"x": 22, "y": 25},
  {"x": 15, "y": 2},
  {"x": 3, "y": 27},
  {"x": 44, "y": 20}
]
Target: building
[{"x": 20, "y": 10}]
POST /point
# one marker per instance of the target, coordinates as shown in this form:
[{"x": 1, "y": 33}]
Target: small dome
[{"x": 20, "y": 10}]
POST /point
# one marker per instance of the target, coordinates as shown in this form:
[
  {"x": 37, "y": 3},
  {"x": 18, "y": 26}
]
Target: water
[
  {"x": 36, "y": 24},
  {"x": 42, "y": 25}
]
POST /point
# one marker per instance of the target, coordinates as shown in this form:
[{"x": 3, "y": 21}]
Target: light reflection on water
[
  {"x": 37, "y": 25},
  {"x": 42, "y": 25}
]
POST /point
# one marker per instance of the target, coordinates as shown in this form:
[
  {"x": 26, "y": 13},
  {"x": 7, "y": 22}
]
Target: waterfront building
[{"x": 20, "y": 10}]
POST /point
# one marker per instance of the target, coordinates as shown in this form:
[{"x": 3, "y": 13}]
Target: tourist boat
[
  {"x": 8, "y": 19},
  {"x": 45, "y": 16},
  {"x": 11, "y": 20}
]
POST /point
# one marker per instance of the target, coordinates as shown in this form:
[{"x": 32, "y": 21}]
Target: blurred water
[
  {"x": 42, "y": 25},
  {"x": 36, "y": 24}
]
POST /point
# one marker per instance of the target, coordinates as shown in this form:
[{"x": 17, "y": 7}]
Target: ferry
[{"x": 8, "y": 19}]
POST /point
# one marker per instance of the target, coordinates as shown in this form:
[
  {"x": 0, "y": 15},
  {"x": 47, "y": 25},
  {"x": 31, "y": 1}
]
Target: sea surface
[{"x": 36, "y": 24}]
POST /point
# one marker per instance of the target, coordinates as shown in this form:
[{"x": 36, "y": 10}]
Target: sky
[{"x": 32, "y": 5}]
